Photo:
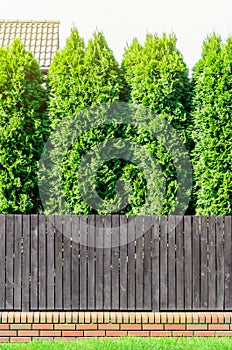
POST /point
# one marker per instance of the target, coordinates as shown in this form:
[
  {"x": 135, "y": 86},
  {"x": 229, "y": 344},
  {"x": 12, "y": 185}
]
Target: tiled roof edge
[{"x": 28, "y": 21}]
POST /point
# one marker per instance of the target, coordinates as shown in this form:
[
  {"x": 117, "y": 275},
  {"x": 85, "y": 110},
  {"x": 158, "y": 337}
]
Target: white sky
[{"x": 122, "y": 20}]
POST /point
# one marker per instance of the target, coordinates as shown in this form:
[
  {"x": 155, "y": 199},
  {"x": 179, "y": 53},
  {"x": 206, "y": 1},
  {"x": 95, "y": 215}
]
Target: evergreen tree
[
  {"x": 23, "y": 129},
  {"x": 212, "y": 111}
]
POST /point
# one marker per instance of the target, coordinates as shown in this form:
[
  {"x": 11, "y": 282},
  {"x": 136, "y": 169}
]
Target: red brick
[
  {"x": 138, "y": 333},
  {"x": 63, "y": 326},
  {"x": 108, "y": 326},
  {"x": 8, "y": 333},
  {"x": 161, "y": 333},
  {"x": 204, "y": 333},
  {"x": 87, "y": 326},
  {"x": 72, "y": 333},
  {"x": 153, "y": 327},
  {"x": 218, "y": 327},
  {"x": 20, "y": 339},
  {"x": 50, "y": 333},
  {"x": 115, "y": 333},
  {"x": 42, "y": 326},
  {"x": 133, "y": 327},
  {"x": 223, "y": 333},
  {"x": 182, "y": 333},
  {"x": 94, "y": 333},
  {"x": 4, "y": 326},
  {"x": 214, "y": 317},
  {"x": 176, "y": 327},
  {"x": 20, "y": 326},
  {"x": 28, "y": 333},
  {"x": 195, "y": 326},
  {"x": 4, "y": 339}
]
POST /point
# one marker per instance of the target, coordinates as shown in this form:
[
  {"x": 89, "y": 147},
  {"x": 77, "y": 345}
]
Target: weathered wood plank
[
  {"x": 139, "y": 262},
  {"x": 147, "y": 263},
  {"x": 17, "y": 262},
  {"x": 179, "y": 263},
  {"x": 34, "y": 262},
  {"x": 26, "y": 263},
  {"x": 115, "y": 262},
  {"x": 42, "y": 264},
  {"x": 123, "y": 262},
  {"x": 155, "y": 265},
  {"x": 204, "y": 268},
  {"x": 91, "y": 262},
  {"x": 83, "y": 262},
  {"x": 58, "y": 262},
  {"x": 131, "y": 263},
  {"x": 228, "y": 263},
  {"x": 9, "y": 261},
  {"x": 196, "y": 263},
  {"x": 99, "y": 262},
  {"x": 76, "y": 262},
  {"x": 50, "y": 263},
  {"x": 188, "y": 262},
  {"x": 171, "y": 263},
  {"x": 107, "y": 262},
  {"x": 163, "y": 263},
  {"x": 220, "y": 263},
  {"x": 212, "y": 264},
  {"x": 67, "y": 262}
]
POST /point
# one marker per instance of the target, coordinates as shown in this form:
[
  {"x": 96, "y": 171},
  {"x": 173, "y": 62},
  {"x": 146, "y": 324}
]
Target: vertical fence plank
[
  {"x": 179, "y": 263},
  {"x": 67, "y": 262},
  {"x": 42, "y": 264},
  {"x": 58, "y": 262},
  {"x": 107, "y": 263},
  {"x": 196, "y": 263},
  {"x": 83, "y": 262},
  {"x": 9, "y": 261},
  {"x": 75, "y": 262},
  {"x": 171, "y": 263},
  {"x": 91, "y": 262},
  {"x": 147, "y": 263},
  {"x": 139, "y": 263},
  {"x": 50, "y": 262},
  {"x": 155, "y": 265},
  {"x": 204, "y": 269},
  {"x": 115, "y": 262},
  {"x": 2, "y": 261},
  {"x": 188, "y": 262},
  {"x": 212, "y": 264},
  {"x": 131, "y": 263},
  {"x": 123, "y": 262},
  {"x": 99, "y": 262},
  {"x": 26, "y": 263},
  {"x": 17, "y": 263},
  {"x": 220, "y": 263},
  {"x": 34, "y": 262},
  {"x": 163, "y": 263},
  {"x": 228, "y": 263}
]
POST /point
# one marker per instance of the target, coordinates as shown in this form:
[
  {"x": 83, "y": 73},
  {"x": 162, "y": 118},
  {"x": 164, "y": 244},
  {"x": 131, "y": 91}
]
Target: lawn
[{"x": 129, "y": 343}]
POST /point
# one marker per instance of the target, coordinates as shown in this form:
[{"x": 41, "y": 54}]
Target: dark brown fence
[{"x": 115, "y": 263}]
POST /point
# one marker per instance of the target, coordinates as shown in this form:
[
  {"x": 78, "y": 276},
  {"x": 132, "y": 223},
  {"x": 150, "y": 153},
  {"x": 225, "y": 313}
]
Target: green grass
[{"x": 128, "y": 343}]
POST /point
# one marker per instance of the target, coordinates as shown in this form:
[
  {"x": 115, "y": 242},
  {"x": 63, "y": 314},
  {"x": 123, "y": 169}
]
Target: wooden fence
[{"x": 115, "y": 263}]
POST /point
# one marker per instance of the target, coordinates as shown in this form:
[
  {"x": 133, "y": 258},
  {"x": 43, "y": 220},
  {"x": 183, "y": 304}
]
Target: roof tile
[{"x": 40, "y": 37}]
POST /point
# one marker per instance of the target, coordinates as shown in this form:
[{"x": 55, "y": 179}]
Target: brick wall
[{"x": 26, "y": 326}]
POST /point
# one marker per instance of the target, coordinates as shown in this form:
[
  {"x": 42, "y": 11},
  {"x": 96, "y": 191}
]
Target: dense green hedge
[{"x": 82, "y": 84}]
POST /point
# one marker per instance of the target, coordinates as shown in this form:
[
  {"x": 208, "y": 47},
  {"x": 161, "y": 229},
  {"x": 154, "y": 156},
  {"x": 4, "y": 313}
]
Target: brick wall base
[{"x": 27, "y": 326}]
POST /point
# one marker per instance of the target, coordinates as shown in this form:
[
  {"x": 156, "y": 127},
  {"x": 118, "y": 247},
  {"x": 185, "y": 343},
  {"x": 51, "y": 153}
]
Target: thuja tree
[
  {"x": 23, "y": 129},
  {"x": 158, "y": 80},
  {"x": 212, "y": 112},
  {"x": 95, "y": 80}
]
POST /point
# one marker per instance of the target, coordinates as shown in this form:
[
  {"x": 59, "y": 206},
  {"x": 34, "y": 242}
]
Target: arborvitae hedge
[
  {"x": 23, "y": 129},
  {"x": 212, "y": 115}
]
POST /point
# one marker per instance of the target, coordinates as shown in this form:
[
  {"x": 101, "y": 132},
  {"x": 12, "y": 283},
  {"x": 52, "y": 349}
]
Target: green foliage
[
  {"x": 23, "y": 129},
  {"x": 212, "y": 113}
]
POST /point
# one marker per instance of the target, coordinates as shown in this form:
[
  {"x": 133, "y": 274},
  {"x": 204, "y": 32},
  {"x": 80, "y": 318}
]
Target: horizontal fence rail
[{"x": 114, "y": 262}]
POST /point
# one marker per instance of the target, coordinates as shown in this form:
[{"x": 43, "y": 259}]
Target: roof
[{"x": 40, "y": 37}]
